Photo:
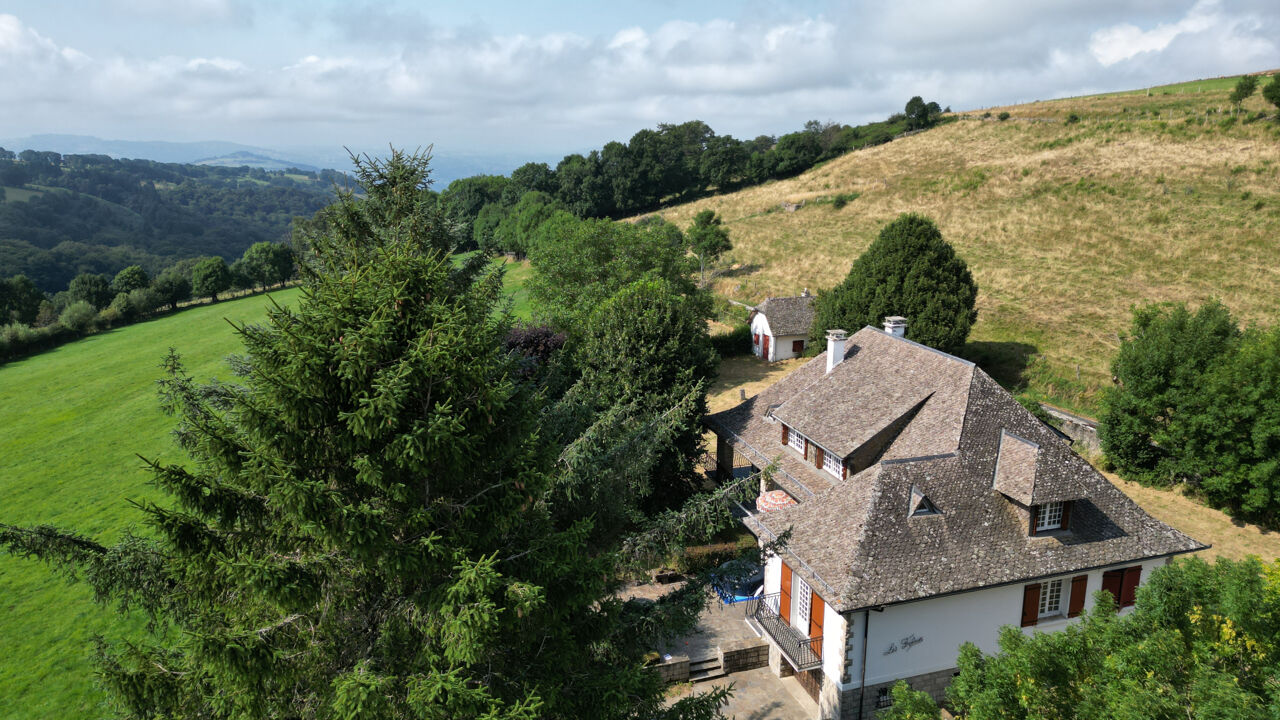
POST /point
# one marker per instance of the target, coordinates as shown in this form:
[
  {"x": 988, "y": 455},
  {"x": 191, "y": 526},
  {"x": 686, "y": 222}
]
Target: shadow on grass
[
  {"x": 740, "y": 370},
  {"x": 1005, "y": 362},
  {"x": 739, "y": 271}
]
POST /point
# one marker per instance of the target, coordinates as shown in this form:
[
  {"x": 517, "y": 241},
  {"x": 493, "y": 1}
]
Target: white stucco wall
[
  {"x": 782, "y": 345},
  {"x": 942, "y": 624},
  {"x": 760, "y": 328},
  {"x": 779, "y": 347}
]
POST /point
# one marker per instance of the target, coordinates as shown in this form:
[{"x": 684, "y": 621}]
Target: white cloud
[
  {"x": 385, "y": 75},
  {"x": 1112, "y": 44}
]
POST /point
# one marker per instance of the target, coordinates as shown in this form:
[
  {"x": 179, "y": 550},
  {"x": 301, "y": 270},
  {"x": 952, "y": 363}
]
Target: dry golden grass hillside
[{"x": 1066, "y": 223}]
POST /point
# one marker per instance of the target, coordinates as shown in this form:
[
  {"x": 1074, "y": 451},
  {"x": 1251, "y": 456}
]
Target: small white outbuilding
[{"x": 780, "y": 327}]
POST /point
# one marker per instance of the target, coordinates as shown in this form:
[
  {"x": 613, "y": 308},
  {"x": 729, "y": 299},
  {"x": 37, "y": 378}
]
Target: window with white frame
[
  {"x": 1049, "y": 516},
  {"x": 831, "y": 463},
  {"x": 1051, "y": 598},
  {"x": 804, "y": 599},
  {"x": 795, "y": 440}
]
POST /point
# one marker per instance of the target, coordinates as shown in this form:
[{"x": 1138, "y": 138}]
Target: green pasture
[{"x": 73, "y": 422}]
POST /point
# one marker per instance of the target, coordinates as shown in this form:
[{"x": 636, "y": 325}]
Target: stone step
[
  {"x": 704, "y": 664},
  {"x": 705, "y": 675}
]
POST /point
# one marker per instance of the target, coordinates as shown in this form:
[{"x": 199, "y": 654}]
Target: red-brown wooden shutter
[
  {"x": 1129, "y": 585},
  {"x": 786, "y": 435},
  {"x": 797, "y": 346},
  {"x": 1079, "y": 587},
  {"x": 1111, "y": 582},
  {"x": 755, "y": 339},
  {"x": 817, "y": 457},
  {"x": 844, "y": 471},
  {"x": 1030, "y": 604},
  {"x": 816, "y": 610},
  {"x": 1066, "y": 515},
  {"x": 784, "y": 598},
  {"x": 806, "y": 448},
  {"x": 1034, "y": 511}
]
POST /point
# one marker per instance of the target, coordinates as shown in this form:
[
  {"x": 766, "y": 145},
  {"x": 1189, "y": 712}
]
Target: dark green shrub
[
  {"x": 735, "y": 342},
  {"x": 1073, "y": 118},
  {"x": 79, "y": 316},
  {"x": 1004, "y": 115}
]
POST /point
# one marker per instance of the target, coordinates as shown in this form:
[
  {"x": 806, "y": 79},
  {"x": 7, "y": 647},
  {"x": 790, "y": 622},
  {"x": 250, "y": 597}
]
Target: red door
[{"x": 764, "y": 353}]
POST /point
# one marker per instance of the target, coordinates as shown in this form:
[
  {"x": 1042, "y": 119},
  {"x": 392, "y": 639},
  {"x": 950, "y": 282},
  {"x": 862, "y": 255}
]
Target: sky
[{"x": 543, "y": 79}]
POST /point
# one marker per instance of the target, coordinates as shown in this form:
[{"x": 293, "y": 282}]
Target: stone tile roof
[
  {"x": 856, "y": 541},
  {"x": 881, "y": 379},
  {"x": 788, "y": 315}
]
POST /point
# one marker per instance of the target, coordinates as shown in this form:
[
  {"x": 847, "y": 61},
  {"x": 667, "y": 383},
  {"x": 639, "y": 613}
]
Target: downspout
[{"x": 862, "y": 682}]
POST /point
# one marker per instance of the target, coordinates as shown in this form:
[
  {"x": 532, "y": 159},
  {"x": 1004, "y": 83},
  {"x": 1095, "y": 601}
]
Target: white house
[
  {"x": 780, "y": 327},
  {"x": 930, "y": 509}
]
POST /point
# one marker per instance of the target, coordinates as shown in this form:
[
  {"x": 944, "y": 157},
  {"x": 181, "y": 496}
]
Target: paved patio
[
  {"x": 760, "y": 695},
  {"x": 718, "y": 624}
]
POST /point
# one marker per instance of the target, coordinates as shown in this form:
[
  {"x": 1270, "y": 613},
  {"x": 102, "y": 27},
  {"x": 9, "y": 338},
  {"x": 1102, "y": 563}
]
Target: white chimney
[
  {"x": 896, "y": 326},
  {"x": 835, "y": 348}
]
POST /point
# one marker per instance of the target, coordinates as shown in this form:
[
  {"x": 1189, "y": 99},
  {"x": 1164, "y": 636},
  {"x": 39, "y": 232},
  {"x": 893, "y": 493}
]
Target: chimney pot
[
  {"x": 895, "y": 326},
  {"x": 835, "y": 348}
]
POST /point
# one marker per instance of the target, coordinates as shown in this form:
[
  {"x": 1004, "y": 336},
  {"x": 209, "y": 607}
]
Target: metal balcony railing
[{"x": 803, "y": 653}]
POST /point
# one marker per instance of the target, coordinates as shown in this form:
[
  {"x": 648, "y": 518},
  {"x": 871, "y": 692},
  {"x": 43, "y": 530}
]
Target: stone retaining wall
[
  {"x": 674, "y": 670},
  {"x": 745, "y": 654}
]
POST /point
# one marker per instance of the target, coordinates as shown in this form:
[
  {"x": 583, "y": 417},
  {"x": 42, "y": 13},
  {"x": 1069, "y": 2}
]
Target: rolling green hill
[
  {"x": 65, "y": 214},
  {"x": 1068, "y": 213}
]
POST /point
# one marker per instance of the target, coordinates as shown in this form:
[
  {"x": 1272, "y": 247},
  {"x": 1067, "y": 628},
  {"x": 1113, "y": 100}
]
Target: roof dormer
[{"x": 920, "y": 504}]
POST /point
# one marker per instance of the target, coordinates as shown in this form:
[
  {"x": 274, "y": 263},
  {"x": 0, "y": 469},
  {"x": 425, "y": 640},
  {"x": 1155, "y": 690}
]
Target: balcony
[{"x": 803, "y": 653}]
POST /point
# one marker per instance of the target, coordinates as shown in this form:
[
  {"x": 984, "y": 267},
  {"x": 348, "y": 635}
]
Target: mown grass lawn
[{"x": 74, "y": 421}]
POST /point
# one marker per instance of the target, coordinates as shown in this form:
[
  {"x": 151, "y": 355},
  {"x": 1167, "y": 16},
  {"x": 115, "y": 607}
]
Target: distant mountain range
[{"x": 446, "y": 167}]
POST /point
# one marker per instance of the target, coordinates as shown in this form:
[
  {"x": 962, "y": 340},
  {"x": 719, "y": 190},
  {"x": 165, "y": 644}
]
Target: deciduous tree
[
  {"x": 1244, "y": 88},
  {"x": 130, "y": 279},
  {"x": 709, "y": 239},
  {"x": 92, "y": 288},
  {"x": 209, "y": 277},
  {"x": 579, "y": 264},
  {"x": 647, "y": 346},
  {"x": 1158, "y": 370},
  {"x": 1271, "y": 91}
]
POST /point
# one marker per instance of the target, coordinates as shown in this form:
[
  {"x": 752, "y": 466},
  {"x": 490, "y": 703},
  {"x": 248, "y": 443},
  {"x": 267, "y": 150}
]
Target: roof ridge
[{"x": 949, "y": 356}]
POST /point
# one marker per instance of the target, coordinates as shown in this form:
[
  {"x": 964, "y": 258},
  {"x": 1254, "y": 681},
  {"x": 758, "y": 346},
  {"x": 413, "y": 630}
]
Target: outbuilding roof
[{"x": 788, "y": 315}]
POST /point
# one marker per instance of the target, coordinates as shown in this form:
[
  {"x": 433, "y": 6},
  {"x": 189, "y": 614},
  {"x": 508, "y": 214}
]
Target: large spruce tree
[
  {"x": 909, "y": 271},
  {"x": 372, "y": 524}
]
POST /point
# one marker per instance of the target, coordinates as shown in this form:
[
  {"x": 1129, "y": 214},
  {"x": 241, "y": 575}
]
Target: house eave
[{"x": 879, "y": 607}]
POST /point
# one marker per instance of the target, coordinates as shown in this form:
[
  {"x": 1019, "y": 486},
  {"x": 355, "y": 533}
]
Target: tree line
[
  {"x": 63, "y": 215},
  {"x": 406, "y": 505},
  {"x": 32, "y": 320},
  {"x": 673, "y": 163}
]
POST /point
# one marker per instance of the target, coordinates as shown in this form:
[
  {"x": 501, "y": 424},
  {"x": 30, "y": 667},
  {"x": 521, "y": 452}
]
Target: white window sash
[
  {"x": 1049, "y": 516},
  {"x": 795, "y": 440},
  {"x": 1050, "y": 599}
]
